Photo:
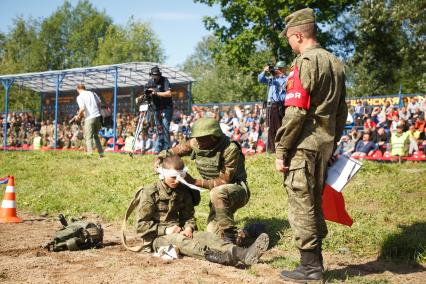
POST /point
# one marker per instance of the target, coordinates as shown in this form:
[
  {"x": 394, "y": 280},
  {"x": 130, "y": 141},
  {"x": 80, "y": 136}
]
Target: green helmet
[
  {"x": 206, "y": 126},
  {"x": 280, "y": 64}
]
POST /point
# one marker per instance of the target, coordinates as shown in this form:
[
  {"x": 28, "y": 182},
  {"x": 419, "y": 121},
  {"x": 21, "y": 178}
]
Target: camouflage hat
[
  {"x": 300, "y": 17},
  {"x": 206, "y": 126},
  {"x": 280, "y": 64}
]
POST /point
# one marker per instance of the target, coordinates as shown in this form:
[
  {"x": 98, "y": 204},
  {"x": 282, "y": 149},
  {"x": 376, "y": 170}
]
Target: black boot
[
  {"x": 251, "y": 255},
  {"x": 248, "y": 256},
  {"x": 224, "y": 258},
  {"x": 310, "y": 268}
]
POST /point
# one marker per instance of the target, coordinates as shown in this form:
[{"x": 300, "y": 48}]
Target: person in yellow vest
[
  {"x": 399, "y": 141},
  {"x": 414, "y": 136},
  {"x": 128, "y": 143},
  {"x": 36, "y": 141}
]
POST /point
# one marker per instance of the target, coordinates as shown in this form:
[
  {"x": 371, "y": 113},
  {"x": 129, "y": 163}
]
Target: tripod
[{"x": 146, "y": 114}]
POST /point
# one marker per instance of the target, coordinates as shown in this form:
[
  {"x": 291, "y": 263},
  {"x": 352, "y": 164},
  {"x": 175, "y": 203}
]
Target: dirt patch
[{"x": 23, "y": 260}]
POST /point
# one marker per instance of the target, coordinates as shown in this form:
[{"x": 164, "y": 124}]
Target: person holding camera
[
  {"x": 159, "y": 87},
  {"x": 90, "y": 107},
  {"x": 276, "y": 82}
]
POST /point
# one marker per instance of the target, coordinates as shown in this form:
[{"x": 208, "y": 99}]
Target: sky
[{"x": 177, "y": 23}]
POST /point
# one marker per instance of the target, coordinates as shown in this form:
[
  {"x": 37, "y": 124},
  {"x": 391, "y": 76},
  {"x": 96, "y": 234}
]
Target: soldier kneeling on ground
[
  {"x": 221, "y": 165},
  {"x": 165, "y": 216}
]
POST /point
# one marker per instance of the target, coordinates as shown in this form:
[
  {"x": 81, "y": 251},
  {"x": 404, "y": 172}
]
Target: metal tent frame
[{"x": 98, "y": 77}]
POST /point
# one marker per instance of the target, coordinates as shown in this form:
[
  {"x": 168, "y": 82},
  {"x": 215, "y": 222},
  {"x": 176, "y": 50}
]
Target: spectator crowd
[{"x": 372, "y": 131}]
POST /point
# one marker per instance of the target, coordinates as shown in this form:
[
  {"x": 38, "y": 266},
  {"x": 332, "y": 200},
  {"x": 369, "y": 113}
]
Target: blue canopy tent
[{"x": 107, "y": 76}]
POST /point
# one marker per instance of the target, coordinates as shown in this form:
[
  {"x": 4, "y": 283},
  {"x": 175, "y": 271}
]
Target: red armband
[{"x": 296, "y": 95}]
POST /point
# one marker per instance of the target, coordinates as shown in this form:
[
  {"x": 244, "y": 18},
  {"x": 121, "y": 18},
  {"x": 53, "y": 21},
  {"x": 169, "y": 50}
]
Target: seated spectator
[
  {"x": 36, "y": 141},
  {"x": 48, "y": 141},
  {"x": 173, "y": 140},
  {"x": 364, "y": 147},
  {"x": 404, "y": 114},
  {"x": 374, "y": 114},
  {"x": 144, "y": 143},
  {"x": 236, "y": 136},
  {"x": 393, "y": 123},
  {"x": 422, "y": 140},
  {"x": 420, "y": 124},
  {"x": 381, "y": 118},
  {"x": 417, "y": 113},
  {"x": 399, "y": 142},
  {"x": 413, "y": 135},
  {"x": 413, "y": 105},
  {"x": 346, "y": 146},
  {"x": 128, "y": 143},
  {"x": 369, "y": 123},
  {"x": 382, "y": 139}
]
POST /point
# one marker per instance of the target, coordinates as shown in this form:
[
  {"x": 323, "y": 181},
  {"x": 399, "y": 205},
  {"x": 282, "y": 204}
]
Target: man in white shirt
[{"x": 89, "y": 106}]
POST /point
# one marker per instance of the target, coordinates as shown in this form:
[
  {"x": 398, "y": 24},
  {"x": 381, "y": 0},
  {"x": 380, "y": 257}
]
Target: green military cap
[{"x": 300, "y": 17}]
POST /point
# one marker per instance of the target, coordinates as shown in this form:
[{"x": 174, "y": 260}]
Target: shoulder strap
[{"x": 133, "y": 204}]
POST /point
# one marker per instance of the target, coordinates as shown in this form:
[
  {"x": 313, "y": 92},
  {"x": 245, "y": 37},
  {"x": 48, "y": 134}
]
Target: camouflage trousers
[
  {"x": 304, "y": 184},
  {"x": 224, "y": 201},
  {"x": 195, "y": 247},
  {"x": 91, "y": 129}
]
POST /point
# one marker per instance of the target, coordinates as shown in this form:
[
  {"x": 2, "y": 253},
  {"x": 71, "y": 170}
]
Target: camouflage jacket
[
  {"x": 228, "y": 168},
  {"x": 320, "y": 127},
  {"x": 161, "y": 207}
]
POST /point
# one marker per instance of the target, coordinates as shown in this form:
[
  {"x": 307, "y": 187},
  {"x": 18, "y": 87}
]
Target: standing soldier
[
  {"x": 220, "y": 163},
  {"x": 314, "y": 120}
]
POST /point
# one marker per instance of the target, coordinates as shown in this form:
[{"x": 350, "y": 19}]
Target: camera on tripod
[{"x": 145, "y": 101}]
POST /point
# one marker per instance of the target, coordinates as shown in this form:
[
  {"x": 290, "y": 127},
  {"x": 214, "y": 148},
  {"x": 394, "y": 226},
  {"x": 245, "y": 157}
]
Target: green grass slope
[{"x": 386, "y": 201}]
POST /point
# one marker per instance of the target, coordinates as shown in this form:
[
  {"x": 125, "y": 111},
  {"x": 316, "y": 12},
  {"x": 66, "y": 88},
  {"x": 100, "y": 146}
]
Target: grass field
[{"x": 386, "y": 201}]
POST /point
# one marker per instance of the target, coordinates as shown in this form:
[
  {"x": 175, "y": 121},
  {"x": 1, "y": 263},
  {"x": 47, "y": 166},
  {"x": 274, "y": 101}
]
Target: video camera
[
  {"x": 145, "y": 100},
  {"x": 271, "y": 69}
]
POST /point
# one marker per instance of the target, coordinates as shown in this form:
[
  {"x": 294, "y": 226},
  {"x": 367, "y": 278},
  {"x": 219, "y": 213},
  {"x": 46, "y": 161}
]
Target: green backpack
[{"x": 78, "y": 235}]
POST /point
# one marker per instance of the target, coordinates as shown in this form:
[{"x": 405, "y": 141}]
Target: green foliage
[
  {"x": 245, "y": 26},
  {"x": 134, "y": 42},
  {"x": 218, "y": 81},
  {"x": 71, "y": 37},
  {"x": 224, "y": 83},
  {"x": 389, "y": 48}
]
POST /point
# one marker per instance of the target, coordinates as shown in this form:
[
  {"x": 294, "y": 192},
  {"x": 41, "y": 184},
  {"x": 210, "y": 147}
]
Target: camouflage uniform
[
  {"x": 314, "y": 120},
  {"x": 161, "y": 207},
  {"x": 223, "y": 171},
  {"x": 306, "y": 140}
]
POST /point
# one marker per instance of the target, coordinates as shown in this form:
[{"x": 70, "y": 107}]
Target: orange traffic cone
[{"x": 8, "y": 206}]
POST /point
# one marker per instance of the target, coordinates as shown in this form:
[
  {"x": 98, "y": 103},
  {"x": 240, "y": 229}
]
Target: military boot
[
  {"x": 248, "y": 256},
  {"x": 309, "y": 270},
  {"x": 251, "y": 255},
  {"x": 224, "y": 258}
]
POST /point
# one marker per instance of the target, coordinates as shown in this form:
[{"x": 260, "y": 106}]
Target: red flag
[{"x": 333, "y": 206}]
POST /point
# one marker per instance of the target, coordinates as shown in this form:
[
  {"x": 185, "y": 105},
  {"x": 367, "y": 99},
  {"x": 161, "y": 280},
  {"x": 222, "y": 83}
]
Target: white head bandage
[{"x": 162, "y": 172}]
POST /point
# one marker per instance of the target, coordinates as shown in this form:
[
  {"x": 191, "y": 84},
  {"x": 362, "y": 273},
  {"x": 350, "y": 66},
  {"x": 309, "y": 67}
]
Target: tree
[
  {"x": 249, "y": 26},
  {"x": 20, "y": 47},
  {"x": 69, "y": 37},
  {"x": 389, "y": 48},
  {"x": 218, "y": 81},
  {"x": 134, "y": 42}
]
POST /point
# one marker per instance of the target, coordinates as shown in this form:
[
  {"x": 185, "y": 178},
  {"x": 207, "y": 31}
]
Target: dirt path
[{"x": 23, "y": 261}]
